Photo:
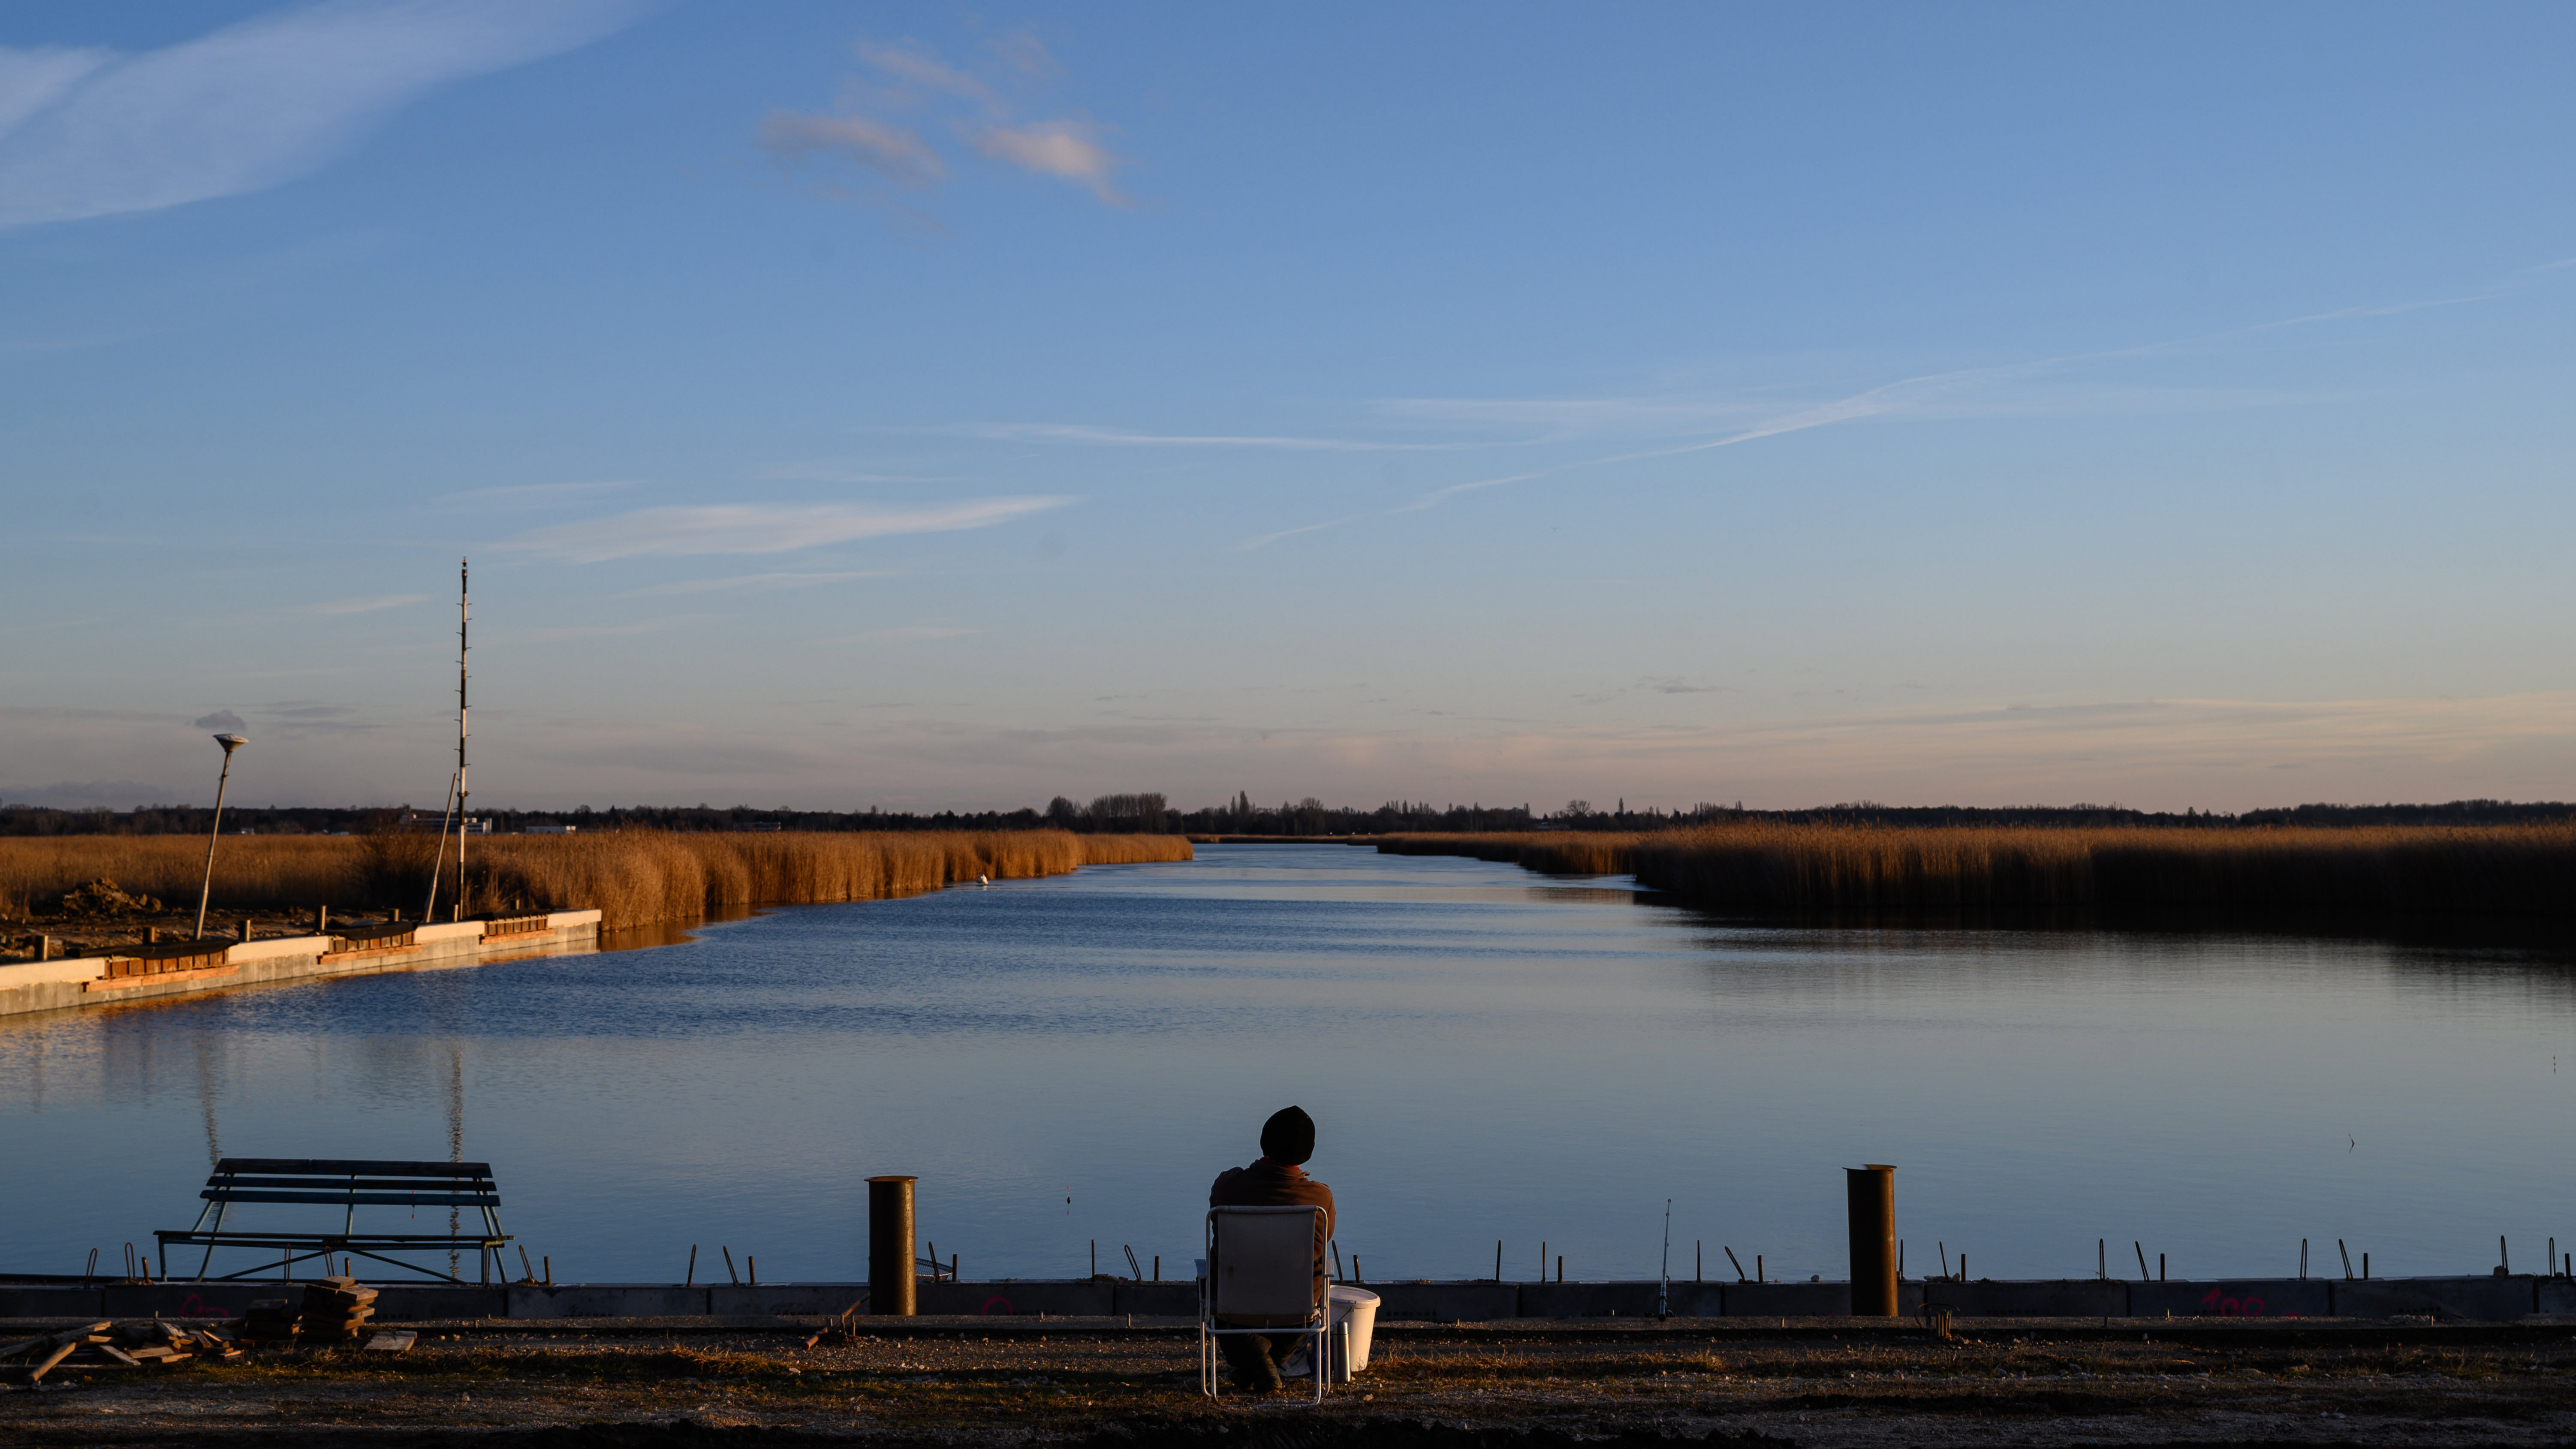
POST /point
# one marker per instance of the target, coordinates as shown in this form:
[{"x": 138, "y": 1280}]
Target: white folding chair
[{"x": 1259, "y": 1277}]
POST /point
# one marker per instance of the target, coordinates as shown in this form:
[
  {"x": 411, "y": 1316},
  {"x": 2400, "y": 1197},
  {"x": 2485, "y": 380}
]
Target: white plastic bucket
[{"x": 1355, "y": 1313}]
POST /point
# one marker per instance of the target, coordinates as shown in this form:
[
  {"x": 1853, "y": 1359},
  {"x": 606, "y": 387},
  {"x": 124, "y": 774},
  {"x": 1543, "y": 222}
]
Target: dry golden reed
[
  {"x": 1763, "y": 866},
  {"x": 633, "y": 877}
]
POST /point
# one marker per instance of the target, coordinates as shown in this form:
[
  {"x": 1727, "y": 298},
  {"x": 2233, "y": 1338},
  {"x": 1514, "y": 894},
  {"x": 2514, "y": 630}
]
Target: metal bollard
[
  {"x": 1873, "y": 1240},
  {"x": 890, "y": 1266}
]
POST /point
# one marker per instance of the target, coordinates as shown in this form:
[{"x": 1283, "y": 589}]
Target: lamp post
[{"x": 230, "y": 742}]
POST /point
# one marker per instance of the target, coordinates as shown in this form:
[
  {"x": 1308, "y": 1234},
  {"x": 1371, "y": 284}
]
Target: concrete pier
[
  {"x": 109, "y": 980},
  {"x": 2482, "y": 1299}
]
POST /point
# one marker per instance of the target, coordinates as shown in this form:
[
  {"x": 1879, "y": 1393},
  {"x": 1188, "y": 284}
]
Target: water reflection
[{"x": 1490, "y": 1054}]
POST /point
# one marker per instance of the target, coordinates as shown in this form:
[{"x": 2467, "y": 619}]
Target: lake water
[{"x": 1490, "y": 1054}]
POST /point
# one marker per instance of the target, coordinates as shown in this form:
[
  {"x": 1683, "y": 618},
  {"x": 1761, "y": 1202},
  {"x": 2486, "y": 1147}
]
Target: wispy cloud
[
  {"x": 915, "y": 70},
  {"x": 891, "y": 118},
  {"x": 2018, "y": 389},
  {"x": 751, "y": 583},
  {"x": 87, "y": 133},
  {"x": 222, "y": 719},
  {"x": 1432, "y": 499},
  {"x": 1116, "y": 437},
  {"x": 761, "y": 527},
  {"x": 1066, "y": 150},
  {"x": 368, "y": 606},
  {"x": 1267, "y": 539},
  {"x": 1438, "y": 496},
  {"x": 1659, "y": 412},
  {"x": 295, "y": 717},
  {"x": 525, "y": 496},
  {"x": 916, "y": 632},
  {"x": 76, "y": 717},
  {"x": 31, "y": 80},
  {"x": 563, "y": 632},
  {"x": 819, "y": 473},
  {"x": 372, "y": 606},
  {"x": 893, "y": 152}
]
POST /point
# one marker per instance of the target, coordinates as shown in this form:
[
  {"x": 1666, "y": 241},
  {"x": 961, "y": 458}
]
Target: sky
[{"x": 925, "y": 407}]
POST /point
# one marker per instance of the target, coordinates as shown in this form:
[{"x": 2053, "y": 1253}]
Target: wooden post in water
[
  {"x": 1871, "y": 1193},
  {"x": 890, "y": 1269}
]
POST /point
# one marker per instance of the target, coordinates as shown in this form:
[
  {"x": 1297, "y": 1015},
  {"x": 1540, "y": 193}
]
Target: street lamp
[{"x": 230, "y": 742}]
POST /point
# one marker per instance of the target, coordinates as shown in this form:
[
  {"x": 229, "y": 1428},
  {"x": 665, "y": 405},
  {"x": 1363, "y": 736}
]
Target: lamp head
[{"x": 231, "y": 742}]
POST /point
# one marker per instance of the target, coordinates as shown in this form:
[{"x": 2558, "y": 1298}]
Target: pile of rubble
[{"x": 333, "y": 1312}]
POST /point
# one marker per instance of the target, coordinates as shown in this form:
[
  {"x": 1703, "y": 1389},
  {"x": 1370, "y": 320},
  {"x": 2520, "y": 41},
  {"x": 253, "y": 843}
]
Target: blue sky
[{"x": 920, "y": 406}]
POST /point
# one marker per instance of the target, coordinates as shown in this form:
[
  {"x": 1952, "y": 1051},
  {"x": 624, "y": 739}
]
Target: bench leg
[{"x": 204, "y": 1267}]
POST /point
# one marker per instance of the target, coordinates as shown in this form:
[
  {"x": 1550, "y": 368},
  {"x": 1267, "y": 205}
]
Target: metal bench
[{"x": 351, "y": 1183}]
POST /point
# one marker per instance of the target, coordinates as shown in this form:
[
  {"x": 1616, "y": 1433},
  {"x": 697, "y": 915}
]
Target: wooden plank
[
  {"x": 49, "y": 1340},
  {"x": 352, "y": 1166},
  {"x": 333, "y": 1241},
  {"x": 60, "y": 1353},
  {"x": 362, "y": 1199},
  {"x": 344, "y": 1184},
  {"x": 391, "y": 1341}
]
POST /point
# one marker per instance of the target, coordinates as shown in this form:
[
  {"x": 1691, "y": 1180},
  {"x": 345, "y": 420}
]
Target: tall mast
[{"x": 463, "y": 599}]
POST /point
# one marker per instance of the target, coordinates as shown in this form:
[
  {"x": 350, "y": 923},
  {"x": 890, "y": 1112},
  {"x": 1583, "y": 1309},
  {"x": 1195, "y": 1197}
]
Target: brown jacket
[{"x": 1276, "y": 1184}]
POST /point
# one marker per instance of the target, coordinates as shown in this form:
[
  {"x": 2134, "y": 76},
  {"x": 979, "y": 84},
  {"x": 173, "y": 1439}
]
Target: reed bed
[
  {"x": 633, "y": 877},
  {"x": 1764, "y": 867}
]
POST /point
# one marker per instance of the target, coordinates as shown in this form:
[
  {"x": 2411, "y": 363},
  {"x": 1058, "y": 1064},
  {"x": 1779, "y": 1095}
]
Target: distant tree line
[{"x": 1152, "y": 814}]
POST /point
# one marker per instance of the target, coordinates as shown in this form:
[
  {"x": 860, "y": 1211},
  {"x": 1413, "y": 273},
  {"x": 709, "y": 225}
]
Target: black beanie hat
[{"x": 1289, "y": 1136}]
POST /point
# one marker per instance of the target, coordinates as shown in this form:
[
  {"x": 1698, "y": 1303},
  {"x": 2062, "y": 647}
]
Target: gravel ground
[{"x": 1999, "y": 1381}]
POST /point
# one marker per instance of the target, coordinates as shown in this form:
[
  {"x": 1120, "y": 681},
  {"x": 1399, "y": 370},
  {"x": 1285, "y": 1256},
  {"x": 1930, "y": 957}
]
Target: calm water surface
[{"x": 1490, "y": 1055}]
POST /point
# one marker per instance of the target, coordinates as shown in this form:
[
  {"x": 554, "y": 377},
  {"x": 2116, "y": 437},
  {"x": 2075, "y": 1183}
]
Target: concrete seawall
[
  {"x": 90, "y": 980},
  {"x": 2489, "y": 1299}
]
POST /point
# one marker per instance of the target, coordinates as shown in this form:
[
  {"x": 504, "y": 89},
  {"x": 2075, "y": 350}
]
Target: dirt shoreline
[{"x": 582, "y": 1382}]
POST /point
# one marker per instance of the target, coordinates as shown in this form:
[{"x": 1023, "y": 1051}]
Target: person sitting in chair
[{"x": 1277, "y": 1179}]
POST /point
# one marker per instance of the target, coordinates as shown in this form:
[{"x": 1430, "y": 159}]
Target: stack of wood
[
  {"x": 96, "y": 1346},
  {"x": 271, "y": 1321},
  {"x": 336, "y": 1310}
]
